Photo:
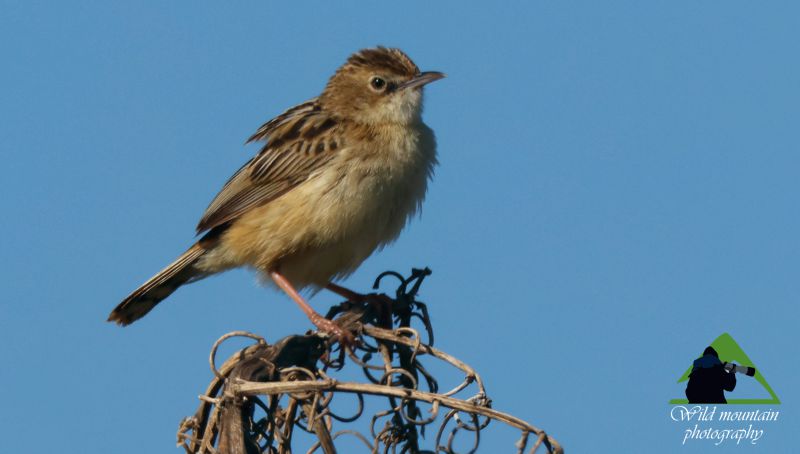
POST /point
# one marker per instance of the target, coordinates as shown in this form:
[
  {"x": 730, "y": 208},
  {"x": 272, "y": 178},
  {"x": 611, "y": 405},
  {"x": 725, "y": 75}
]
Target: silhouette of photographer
[{"x": 709, "y": 379}]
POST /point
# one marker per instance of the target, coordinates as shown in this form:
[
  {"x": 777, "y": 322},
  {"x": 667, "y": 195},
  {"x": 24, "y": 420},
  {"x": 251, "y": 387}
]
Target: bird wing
[{"x": 298, "y": 142}]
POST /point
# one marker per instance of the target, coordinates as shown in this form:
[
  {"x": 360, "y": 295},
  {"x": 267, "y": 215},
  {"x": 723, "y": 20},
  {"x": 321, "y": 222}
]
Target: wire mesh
[{"x": 263, "y": 397}]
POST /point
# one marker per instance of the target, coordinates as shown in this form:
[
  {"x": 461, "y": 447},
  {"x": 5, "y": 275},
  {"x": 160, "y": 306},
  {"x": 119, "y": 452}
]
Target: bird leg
[
  {"x": 381, "y": 303},
  {"x": 322, "y": 323},
  {"x": 353, "y": 297}
]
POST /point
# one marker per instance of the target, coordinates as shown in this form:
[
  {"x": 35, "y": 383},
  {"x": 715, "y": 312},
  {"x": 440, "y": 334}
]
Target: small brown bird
[{"x": 338, "y": 177}]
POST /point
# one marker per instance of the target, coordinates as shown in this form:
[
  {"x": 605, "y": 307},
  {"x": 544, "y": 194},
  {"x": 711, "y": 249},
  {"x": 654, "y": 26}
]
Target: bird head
[{"x": 378, "y": 86}]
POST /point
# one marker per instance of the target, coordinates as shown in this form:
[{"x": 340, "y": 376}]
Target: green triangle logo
[{"x": 730, "y": 351}]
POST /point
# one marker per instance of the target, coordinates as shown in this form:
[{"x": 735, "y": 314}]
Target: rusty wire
[{"x": 264, "y": 394}]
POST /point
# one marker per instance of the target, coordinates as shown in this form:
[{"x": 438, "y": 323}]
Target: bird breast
[{"x": 327, "y": 226}]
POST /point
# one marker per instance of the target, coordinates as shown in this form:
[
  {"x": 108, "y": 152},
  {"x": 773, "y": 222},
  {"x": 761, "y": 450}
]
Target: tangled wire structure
[{"x": 264, "y": 395}]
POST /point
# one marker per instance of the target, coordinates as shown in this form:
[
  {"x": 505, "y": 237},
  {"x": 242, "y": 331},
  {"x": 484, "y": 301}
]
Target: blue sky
[{"x": 618, "y": 187}]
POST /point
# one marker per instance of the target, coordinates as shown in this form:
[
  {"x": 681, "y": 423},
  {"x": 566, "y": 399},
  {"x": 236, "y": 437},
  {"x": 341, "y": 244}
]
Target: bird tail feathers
[{"x": 158, "y": 287}]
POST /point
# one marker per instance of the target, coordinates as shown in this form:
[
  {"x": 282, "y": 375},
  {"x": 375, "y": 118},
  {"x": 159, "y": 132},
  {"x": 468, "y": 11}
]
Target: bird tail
[{"x": 160, "y": 286}]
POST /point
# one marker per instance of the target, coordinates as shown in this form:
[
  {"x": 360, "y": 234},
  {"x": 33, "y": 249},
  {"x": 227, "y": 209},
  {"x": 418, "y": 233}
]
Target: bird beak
[{"x": 422, "y": 79}]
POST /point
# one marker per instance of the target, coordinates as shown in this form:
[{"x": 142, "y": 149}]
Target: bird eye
[{"x": 377, "y": 83}]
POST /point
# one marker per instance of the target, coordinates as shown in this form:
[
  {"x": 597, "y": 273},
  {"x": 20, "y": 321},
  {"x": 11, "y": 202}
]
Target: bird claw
[{"x": 343, "y": 336}]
